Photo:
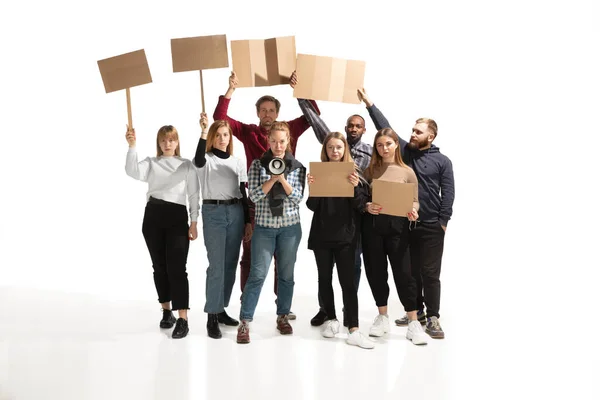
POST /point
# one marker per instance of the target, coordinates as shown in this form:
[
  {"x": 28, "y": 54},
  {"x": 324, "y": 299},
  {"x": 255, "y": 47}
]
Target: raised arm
[
  {"x": 133, "y": 168},
  {"x": 379, "y": 120},
  {"x": 447, "y": 191},
  {"x": 223, "y": 105},
  {"x": 200, "y": 157},
  {"x": 299, "y": 125},
  {"x": 314, "y": 119}
]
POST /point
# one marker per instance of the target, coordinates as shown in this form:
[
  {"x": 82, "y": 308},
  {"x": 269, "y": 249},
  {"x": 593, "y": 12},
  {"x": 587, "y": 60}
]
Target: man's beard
[{"x": 416, "y": 145}]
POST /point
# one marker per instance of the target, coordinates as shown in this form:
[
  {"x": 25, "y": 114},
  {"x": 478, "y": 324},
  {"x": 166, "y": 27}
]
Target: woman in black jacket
[{"x": 333, "y": 238}]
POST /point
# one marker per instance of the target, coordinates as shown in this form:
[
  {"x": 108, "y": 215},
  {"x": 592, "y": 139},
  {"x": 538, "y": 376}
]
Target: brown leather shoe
[
  {"x": 243, "y": 335},
  {"x": 283, "y": 325}
]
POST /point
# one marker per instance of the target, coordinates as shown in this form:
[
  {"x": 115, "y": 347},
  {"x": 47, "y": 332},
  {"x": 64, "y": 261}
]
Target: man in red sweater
[{"x": 254, "y": 138}]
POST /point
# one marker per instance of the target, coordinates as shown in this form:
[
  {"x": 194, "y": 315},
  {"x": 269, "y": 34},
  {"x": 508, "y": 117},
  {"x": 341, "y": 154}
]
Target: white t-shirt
[
  {"x": 169, "y": 179},
  {"x": 220, "y": 178}
]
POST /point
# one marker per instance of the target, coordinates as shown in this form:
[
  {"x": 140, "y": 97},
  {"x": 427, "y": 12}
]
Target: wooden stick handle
[
  {"x": 129, "y": 108},
  {"x": 202, "y": 91}
]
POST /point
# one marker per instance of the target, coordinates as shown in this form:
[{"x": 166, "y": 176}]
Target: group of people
[{"x": 258, "y": 209}]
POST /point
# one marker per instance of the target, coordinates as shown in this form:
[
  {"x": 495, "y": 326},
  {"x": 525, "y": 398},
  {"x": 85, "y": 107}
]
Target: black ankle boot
[
  {"x": 181, "y": 329},
  {"x": 226, "y": 319},
  {"x": 212, "y": 326},
  {"x": 168, "y": 320}
]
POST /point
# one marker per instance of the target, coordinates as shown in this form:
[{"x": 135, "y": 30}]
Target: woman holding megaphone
[{"x": 276, "y": 186}]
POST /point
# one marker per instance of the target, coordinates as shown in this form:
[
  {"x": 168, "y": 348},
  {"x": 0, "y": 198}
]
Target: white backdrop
[{"x": 513, "y": 86}]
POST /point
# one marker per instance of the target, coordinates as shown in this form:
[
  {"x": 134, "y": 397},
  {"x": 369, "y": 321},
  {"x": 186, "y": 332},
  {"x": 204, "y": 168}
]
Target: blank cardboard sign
[
  {"x": 198, "y": 53},
  {"x": 265, "y": 62},
  {"x": 331, "y": 179},
  {"x": 395, "y": 198},
  {"x": 330, "y": 79},
  {"x": 125, "y": 71}
]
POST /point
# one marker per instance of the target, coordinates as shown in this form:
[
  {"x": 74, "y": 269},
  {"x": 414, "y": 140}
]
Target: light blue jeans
[
  {"x": 283, "y": 242},
  {"x": 223, "y": 229}
]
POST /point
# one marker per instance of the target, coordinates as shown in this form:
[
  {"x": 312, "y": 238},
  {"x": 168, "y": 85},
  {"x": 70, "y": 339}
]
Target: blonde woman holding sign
[
  {"x": 225, "y": 217},
  {"x": 170, "y": 180}
]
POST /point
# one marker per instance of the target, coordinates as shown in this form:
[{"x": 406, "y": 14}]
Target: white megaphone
[{"x": 276, "y": 166}]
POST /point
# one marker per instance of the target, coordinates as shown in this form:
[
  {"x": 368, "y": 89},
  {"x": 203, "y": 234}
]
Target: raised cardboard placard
[
  {"x": 125, "y": 71},
  {"x": 198, "y": 53},
  {"x": 264, "y": 62},
  {"x": 395, "y": 198},
  {"x": 329, "y": 79},
  {"x": 331, "y": 179}
]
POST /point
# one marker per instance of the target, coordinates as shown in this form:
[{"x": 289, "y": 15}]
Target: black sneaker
[
  {"x": 319, "y": 319},
  {"x": 181, "y": 329},
  {"x": 226, "y": 319},
  {"x": 168, "y": 320},
  {"x": 404, "y": 320}
]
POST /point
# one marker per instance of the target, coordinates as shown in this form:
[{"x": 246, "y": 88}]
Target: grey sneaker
[
  {"x": 404, "y": 320},
  {"x": 434, "y": 329}
]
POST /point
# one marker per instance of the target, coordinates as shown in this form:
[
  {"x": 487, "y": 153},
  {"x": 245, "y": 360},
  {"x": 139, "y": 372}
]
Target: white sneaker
[
  {"x": 381, "y": 326},
  {"x": 331, "y": 327},
  {"x": 416, "y": 333},
  {"x": 358, "y": 339}
]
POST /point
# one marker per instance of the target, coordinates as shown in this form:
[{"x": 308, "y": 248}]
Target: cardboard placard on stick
[
  {"x": 329, "y": 79},
  {"x": 395, "y": 198},
  {"x": 199, "y": 53},
  {"x": 124, "y": 72},
  {"x": 264, "y": 62},
  {"x": 331, "y": 179}
]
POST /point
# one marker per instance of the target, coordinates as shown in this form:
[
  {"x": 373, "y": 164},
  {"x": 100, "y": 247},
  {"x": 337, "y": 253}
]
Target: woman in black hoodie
[{"x": 333, "y": 238}]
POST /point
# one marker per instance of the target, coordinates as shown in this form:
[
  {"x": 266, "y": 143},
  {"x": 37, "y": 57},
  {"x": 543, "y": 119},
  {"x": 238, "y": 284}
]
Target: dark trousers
[
  {"x": 165, "y": 230},
  {"x": 344, "y": 258},
  {"x": 357, "y": 263},
  {"x": 247, "y": 256},
  {"x": 379, "y": 245},
  {"x": 426, "y": 249}
]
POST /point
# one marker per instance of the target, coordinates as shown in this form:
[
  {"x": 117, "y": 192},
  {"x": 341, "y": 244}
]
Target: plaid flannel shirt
[
  {"x": 257, "y": 176},
  {"x": 361, "y": 152}
]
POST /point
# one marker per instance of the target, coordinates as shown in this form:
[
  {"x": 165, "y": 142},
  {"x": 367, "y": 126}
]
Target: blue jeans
[
  {"x": 223, "y": 229},
  {"x": 283, "y": 242}
]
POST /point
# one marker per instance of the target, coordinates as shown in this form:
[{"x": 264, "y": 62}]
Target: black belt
[{"x": 222, "y": 202}]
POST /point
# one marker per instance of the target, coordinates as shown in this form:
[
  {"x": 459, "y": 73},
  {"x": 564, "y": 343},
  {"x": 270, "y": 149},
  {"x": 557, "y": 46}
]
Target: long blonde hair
[
  {"x": 212, "y": 135},
  {"x": 347, "y": 157},
  {"x": 376, "y": 160},
  {"x": 169, "y": 132}
]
